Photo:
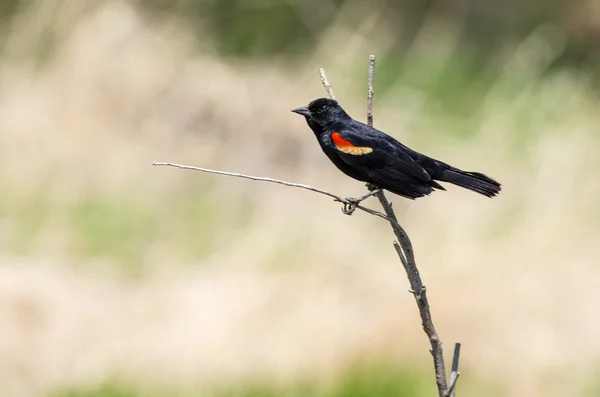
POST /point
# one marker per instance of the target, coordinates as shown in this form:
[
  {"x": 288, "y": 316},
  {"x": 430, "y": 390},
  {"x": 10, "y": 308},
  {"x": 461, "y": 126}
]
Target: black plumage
[{"x": 369, "y": 155}]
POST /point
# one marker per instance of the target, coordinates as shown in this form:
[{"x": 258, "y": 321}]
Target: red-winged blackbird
[{"x": 369, "y": 155}]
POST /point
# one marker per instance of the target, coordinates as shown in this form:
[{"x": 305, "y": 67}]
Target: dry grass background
[{"x": 111, "y": 267}]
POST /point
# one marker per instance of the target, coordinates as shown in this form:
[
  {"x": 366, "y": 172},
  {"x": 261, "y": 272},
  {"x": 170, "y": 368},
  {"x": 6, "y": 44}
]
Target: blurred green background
[{"x": 122, "y": 279}]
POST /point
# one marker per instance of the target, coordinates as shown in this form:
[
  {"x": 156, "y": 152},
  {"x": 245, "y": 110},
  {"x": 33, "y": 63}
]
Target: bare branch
[
  {"x": 350, "y": 204},
  {"x": 372, "y": 212},
  {"x": 326, "y": 83},
  {"x": 254, "y": 178},
  {"x": 371, "y": 90},
  {"x": 402, "y": 257},
  {"x": 453, "y": 379},
  {"x": 366, "y": 196},
  {"x": 454, "y": 374},
  {"x": 406, "y": 254}
]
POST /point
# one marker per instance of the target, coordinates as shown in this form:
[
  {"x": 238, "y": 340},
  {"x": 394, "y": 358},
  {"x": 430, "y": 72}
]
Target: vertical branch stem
[
  {"x": 371, "y": 90},
  {"x": 405, "y": 252}
]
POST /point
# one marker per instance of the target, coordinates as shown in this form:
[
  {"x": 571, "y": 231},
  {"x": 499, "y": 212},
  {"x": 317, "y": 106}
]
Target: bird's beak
[{"x": 303, "y": 111}]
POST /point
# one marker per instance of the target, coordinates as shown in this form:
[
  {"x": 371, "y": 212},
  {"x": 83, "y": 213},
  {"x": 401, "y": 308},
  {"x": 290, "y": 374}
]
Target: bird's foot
[
  {"x": 371, "y": 187},
  {"x": 350, "y": 203},
  {"x": 349, "y": 207},
  {"x": 359, "y": 200}
]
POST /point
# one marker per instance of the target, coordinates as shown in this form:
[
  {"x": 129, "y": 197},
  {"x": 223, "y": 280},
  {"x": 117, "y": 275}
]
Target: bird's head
[{"x": 321, "y": 112}]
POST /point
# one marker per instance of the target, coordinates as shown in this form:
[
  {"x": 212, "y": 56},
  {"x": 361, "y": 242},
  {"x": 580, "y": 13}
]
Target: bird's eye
[{"x": 321, "y": 109}]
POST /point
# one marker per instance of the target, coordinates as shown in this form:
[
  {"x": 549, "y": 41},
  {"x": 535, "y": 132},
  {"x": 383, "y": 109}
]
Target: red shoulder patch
[
  {"x": 348, "y": 147},
  {"x": 341, "y": 142}
]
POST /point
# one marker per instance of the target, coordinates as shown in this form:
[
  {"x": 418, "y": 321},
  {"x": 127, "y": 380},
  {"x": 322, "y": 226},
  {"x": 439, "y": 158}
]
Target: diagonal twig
[
  {"x": 454, "y": 374},
  {"x": 350, "y": 204},
  {"x": 364, "y": 197},
  {"x": 326, "y": 83},
  {"x": 251, "y": 177}
]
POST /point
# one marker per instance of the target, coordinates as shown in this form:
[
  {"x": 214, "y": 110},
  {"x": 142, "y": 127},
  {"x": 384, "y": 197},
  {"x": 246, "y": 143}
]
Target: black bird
[{"x": 369, "y": 155}]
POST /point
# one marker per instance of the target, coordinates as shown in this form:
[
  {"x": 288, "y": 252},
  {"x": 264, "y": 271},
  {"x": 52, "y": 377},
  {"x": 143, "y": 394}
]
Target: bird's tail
[{"x": 471, "y": 180}]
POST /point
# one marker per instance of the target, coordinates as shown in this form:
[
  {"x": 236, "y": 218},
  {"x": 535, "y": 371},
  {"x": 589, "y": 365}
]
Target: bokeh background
[{"x": 120, "y": 279}]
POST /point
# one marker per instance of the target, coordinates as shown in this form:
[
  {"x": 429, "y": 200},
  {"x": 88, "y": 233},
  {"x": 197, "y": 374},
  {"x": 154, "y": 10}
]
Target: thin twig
[
  {"x": 326, "y": 84},
  {"x": 254, "y": 178},
  {"x": 452, "y": 388},
  {"x": 366, "y": 196},
  {"x": 402, "y": 257},
  {"x": 373, "y": 212},
  {"x": 371, "y": 90},
  {"x": 454, "y": 374},
  {"x": 350, "y": 204}
]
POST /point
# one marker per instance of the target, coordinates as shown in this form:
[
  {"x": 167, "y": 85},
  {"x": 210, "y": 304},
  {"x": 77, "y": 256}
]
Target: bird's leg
[
  {"x": 356, "y": 201},
  {"x": 371, "y": 187},
  {"x": 348, "y": 208},
  {"x": 362, "y": 198}
]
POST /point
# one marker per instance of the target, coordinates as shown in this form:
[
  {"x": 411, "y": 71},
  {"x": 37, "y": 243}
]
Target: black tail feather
[{"x": 474, "y": 181}]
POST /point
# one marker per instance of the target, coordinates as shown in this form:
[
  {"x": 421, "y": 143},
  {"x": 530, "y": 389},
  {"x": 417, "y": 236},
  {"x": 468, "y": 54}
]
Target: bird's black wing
[{"x": 382, "y": 163}]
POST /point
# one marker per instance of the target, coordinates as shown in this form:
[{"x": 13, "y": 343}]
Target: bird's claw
[
  {"x": 349, "y": 206},
  {"x": 371, "y": 187},
  {"x": 353, "y": 200},
  {"x": 351, "y": 203}
]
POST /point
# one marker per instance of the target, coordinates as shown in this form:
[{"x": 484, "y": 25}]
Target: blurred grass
[
  {"x": 384, "y": 380},
  {"x": 114, "y": 228},
  {"x": 381, "y": 379},
  {"x": 121, "y": 229},
  {"x": 118, "y": 91}
]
